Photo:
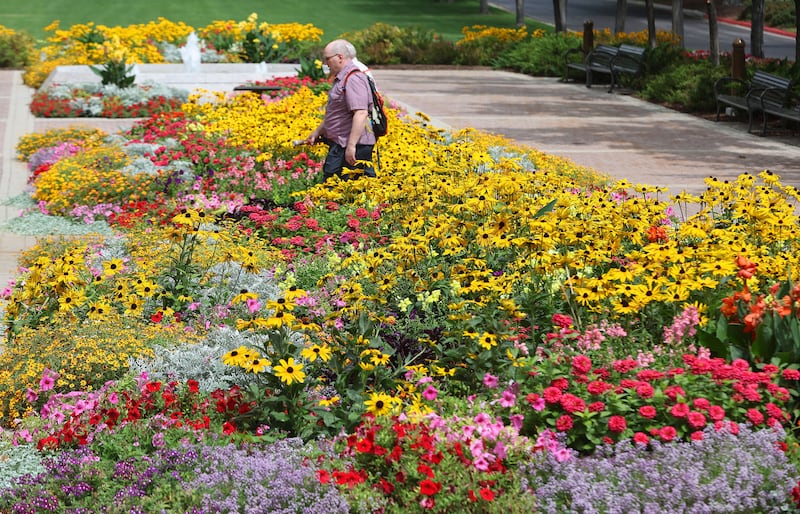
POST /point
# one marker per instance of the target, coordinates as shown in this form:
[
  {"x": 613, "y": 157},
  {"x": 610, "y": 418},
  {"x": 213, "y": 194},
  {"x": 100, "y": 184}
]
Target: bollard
[
  {"x": 588, "y": 36},
  {"x": 737, "y": 64}
]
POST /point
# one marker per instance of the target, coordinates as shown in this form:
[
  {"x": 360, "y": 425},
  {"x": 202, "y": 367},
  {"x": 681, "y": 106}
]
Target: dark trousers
[{"x": 335, "y": 163}]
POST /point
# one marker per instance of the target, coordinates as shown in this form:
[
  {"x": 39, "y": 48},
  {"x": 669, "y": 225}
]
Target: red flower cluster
[
  {"x": 180, "y": 406},
  {"x": 43, "y": 106},
  {"x": 407, "y": 462},
  {"x": 590, "y": 405}
]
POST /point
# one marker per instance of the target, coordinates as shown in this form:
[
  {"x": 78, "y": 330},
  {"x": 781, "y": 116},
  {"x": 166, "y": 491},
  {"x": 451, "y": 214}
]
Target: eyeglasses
[{"x": 329, "y": 57}]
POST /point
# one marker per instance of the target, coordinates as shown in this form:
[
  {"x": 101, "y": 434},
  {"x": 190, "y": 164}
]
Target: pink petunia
[
  {"x": 508, "y": 399},
  {"x": 430, "y": 393}
]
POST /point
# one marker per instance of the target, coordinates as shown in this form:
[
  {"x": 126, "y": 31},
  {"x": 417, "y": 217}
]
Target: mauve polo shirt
[{"x": 341, "y": 104}]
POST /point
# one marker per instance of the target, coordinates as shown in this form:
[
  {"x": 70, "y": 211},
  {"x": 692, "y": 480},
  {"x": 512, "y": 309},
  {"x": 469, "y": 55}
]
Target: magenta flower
[
  {"x": 430, "y": 393},
  {"x": 490, "y": 381},
  {"x": 508, "y": 399},
  {"x": 253, "y": 305},
  {"x": 48, "y": 380}
]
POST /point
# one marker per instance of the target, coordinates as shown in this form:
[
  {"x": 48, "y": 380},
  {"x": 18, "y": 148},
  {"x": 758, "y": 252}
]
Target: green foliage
[
  {"x": 376, "y": 43},
  {"x": 258, "y": 47},
  {"x": 688, "y": 86},
  {"x": 115, "y": 73},
  {"x": 388, "y": 44},
  {"x": 16, "y": 49},
  {"x": 777, "y": 13},
  {"x": 311, "y": 68},
  {"x": 539, "y": 56}
]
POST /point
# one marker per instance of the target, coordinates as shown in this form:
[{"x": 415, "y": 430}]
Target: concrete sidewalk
[{"x": 615, "y": 134}]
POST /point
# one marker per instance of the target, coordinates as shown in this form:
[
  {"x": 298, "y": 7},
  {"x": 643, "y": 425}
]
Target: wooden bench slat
[
  {"x": 765, "y": 93},
  {"x": 613, "y": 61}
]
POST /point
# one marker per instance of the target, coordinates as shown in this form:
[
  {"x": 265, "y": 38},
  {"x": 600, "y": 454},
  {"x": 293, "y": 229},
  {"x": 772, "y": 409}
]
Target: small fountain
[{"x": 190, "y": 54}]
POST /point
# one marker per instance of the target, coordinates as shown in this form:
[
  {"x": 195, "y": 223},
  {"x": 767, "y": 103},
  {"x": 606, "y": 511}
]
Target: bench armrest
[{"x": 772, "y": 96}]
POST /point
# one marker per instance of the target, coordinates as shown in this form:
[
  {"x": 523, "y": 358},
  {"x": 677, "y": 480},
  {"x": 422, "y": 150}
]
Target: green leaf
[
  {"x": 544, "y": 210},
  {"x": 713, "y": 343},
  {"x": 764, "y": 346}
]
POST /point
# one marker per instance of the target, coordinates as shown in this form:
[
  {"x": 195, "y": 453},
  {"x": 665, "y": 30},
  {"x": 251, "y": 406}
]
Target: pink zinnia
[
  {"x": 647, "y": 411},
  {"x": 581, "y": 365},
  {"x": 645, "y": 391},
  {"x": 696, "y": 419},
  {"x": 551, "y": 394},
  {"x": 667, "y": 433},
  {"x": 716, "y": 413},
  {"x": 680, "y": 410},
  {"x": 755, "y": 417},
  {"x": 641, "y": 438},
  {"x": 597, "y": 407},
  {"x": 564, "y": 423},
  {"x": 617, "y": 424},
  {"x": 572, "y": 403}
]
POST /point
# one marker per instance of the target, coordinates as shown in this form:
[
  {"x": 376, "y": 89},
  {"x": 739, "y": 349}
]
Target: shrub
[
  {"x": 689, "y": 86},
  {"x": 16, "y": 48},
  {"x": 538, "y": 56}
]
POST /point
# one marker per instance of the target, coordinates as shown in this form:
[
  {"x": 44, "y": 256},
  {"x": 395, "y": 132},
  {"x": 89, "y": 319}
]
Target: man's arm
[{"x": 356, "y": 129}]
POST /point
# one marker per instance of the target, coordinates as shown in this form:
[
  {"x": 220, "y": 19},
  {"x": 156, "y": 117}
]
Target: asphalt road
[{"x": 696, "y": 33}]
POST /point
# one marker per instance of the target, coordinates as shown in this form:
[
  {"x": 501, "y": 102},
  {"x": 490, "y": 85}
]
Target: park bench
[
  {"x": 613, "y": 61},
  {"x": 765, "y": 93},
  {"x": 254, "y": 88}
]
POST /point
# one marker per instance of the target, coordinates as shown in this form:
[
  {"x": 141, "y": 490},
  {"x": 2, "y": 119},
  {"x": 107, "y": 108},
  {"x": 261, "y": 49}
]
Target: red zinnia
[{"x": 564, "y": 423}]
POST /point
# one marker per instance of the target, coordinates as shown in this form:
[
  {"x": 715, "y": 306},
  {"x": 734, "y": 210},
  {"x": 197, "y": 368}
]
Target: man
[{"x": 346, "y": 127}]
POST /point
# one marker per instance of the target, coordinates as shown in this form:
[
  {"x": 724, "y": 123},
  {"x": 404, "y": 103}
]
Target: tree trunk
[
  {"x": 484, "y": 6},
  {"x": 651, "y": 23},
  {"x": 559, "y": 14},
  {"x": 713, "y": 32},
  {"x": 757, "y": 29},
  {"x": 520, "y": 13},
  {"x": 619, "y": 21},
  {"x": 677, "y": 20}
]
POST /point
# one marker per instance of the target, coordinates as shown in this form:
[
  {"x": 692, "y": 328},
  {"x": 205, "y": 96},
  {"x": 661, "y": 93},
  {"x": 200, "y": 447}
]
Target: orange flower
[{"x": 747, "y": 268}]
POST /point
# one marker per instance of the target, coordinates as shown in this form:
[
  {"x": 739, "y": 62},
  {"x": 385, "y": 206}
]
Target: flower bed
[
  {"x": 479, "y": 330},
  {"x": 106, "y": 101}
]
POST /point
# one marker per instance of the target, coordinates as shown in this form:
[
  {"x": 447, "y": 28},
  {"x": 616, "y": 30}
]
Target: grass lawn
[{"x": 334, "y": 18}]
